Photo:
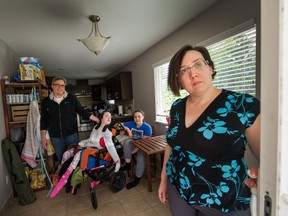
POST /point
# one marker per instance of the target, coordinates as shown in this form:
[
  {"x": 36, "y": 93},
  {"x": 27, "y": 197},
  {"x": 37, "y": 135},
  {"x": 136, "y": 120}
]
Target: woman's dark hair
[
  {"x": 175, "y": 65},
  {"x": 98, "y": 124}
]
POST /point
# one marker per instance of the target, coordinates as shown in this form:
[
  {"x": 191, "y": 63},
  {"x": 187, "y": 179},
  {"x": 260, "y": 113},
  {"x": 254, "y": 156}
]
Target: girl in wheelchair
[{"x": 99, "y": 140}]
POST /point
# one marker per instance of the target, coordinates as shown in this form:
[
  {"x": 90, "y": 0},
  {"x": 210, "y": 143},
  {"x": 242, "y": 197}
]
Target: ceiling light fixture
[{"x": 95, "y": 43}]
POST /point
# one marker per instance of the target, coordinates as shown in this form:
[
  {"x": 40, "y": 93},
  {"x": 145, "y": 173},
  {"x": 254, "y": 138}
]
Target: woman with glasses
[
  {"x": 58, "y": 117},
  {"x": 204, "y": 170}
]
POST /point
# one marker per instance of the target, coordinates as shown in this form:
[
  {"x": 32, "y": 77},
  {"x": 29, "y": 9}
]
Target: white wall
[{"x": 8, "y": 65}]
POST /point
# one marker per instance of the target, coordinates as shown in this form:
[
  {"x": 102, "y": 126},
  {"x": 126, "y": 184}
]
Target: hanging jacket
[
  {"x": 33, "y": 137},
  {"x": 17, "y": 174}
]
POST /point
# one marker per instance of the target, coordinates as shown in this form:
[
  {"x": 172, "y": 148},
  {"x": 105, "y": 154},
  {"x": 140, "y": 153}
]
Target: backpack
[{"x": 17, "y": 174}]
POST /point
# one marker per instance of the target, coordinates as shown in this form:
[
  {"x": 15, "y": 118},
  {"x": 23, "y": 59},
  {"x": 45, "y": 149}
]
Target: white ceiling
[{"x": 49, "y": 29}]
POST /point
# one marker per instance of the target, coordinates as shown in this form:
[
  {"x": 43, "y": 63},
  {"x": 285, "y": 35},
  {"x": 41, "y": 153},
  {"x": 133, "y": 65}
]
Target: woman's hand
[
  {"x": 252, "y": 180},
  {"x": 162, "y": 192}
]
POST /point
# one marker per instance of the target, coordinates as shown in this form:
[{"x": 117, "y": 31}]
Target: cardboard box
[
  {"x": 27, "y": 71},
  {"x": 30, "y": 72},
  {"x": 19, "y": 113}
]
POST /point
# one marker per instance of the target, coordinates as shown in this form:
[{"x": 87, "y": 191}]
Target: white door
[{"x": 273, "y": 177}]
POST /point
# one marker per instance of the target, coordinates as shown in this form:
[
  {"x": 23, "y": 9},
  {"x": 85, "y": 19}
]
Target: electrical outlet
[{"x": 7, "y": 180}]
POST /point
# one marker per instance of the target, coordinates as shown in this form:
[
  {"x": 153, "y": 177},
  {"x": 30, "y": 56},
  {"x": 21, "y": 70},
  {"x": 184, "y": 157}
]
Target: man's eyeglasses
[
  {"x": 197, "y": 66},
  {"x": 58, "y": 85}
]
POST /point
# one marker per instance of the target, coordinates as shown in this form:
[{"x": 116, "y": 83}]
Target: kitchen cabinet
[
  {"x": 16, "y": 100},
  {"x": 110, "y": 88},
  {"x": 119, "y": 87},
  {"x": 97, "y": 92},
  {"x": 82, "y": 87}
]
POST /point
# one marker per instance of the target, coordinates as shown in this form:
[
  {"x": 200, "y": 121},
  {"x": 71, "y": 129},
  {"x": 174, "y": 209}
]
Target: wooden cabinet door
[
  {"x": 126, "y": 86},
  {"x": 110, "y": 89},
  {"x": 96, "y": 92},
  {"x": 119, "y": 87}
]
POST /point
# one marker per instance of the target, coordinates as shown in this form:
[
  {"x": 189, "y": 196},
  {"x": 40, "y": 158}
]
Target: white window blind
[
  {"x": 234, "y": 55},
  {"x": 161, "y": 90},
  {"x": 163, "y": 96},
  {"x": 235, "y": 62}
]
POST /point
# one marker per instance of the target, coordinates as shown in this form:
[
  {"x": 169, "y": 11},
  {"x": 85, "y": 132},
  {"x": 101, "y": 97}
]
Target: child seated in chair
[
  {"x": 137, "y": 129},
  {"x": 100, "y": 137}
]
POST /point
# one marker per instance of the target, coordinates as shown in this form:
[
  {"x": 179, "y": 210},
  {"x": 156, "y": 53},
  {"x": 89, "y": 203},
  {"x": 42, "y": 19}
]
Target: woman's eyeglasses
[
  {"x": 58, "y": 85},
  {"x": 197, "y": 66}
]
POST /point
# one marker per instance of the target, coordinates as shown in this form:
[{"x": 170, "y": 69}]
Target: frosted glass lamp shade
[{"x": 95, "y": 44}]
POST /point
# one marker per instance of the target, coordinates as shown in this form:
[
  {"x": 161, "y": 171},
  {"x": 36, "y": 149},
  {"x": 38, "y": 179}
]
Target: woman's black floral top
[{"x": 206, "y": 164}]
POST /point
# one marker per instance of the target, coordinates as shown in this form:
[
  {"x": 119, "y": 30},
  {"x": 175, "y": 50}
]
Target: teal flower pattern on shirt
[
  {"x": 244, "y": 117},
  {"x": 211, "y": 199},
  {"x": 212, "y": 126},
  {"x": 171, "y": 133},
  {"x": 237, "y": 101},
  {"x": 222, "y": 188},
  {"x": 223, "y": 112},
  {"x": 195, "y": 161},
  {"x": 206, "y": 164},
  {"x": 230, "y": 171}
]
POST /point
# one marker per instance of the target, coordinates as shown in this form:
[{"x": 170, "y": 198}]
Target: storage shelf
[
  {"x": 15, "y": 114},
  {"x": 25, "y": 84},
  {"x": 17, "y": 124},
  {"x": 16, "y": 104},
  {"x": 7, "y": 107}
]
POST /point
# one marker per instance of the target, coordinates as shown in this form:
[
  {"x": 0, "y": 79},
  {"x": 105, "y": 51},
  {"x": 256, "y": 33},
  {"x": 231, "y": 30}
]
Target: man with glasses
[{"x": 58, "y": 117}]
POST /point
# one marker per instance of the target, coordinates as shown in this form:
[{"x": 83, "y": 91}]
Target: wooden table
[{"x": 150, "y": 146}]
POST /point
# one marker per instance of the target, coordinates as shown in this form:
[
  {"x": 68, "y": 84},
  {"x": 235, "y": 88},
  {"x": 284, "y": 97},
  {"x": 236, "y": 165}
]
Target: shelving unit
[
  {"x": 16, "y": 110},
  {"x": 10, "y": 108}
]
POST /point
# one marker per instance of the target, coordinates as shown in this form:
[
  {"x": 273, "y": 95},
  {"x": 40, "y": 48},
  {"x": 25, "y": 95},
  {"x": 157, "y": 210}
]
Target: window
[
  {"x": 235, "y": 62},
  {"x": 164, "y": 97},
  {"x": 234, "y": 56}
]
